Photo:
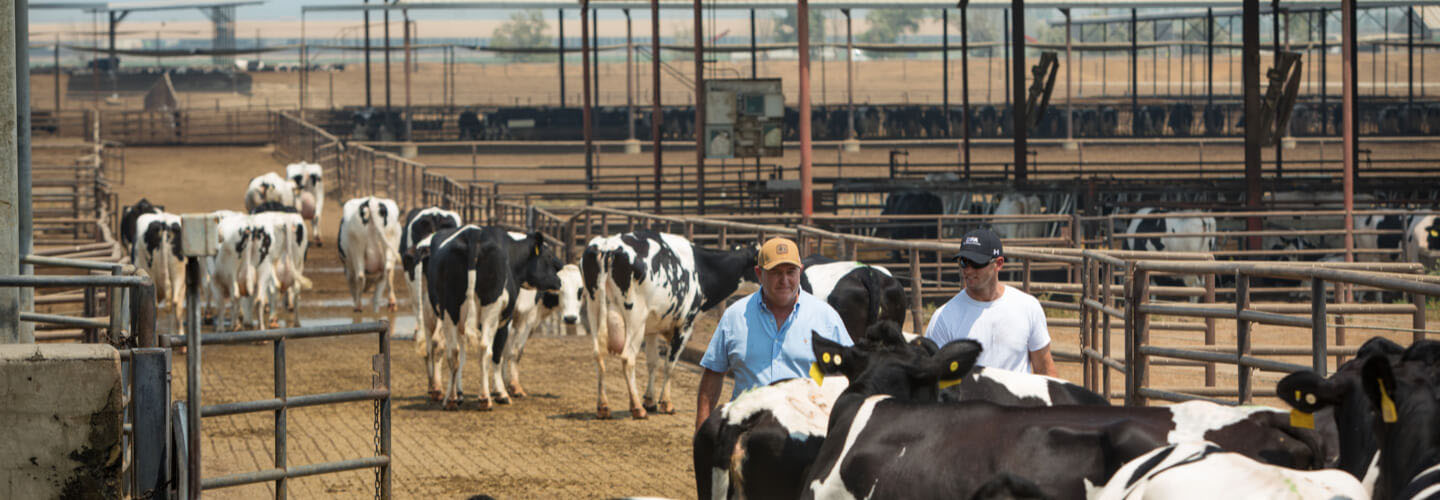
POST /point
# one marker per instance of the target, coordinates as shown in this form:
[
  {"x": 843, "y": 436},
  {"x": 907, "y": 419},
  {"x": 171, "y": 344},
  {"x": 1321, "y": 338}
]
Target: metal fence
[{"x": 379, "y": 393}]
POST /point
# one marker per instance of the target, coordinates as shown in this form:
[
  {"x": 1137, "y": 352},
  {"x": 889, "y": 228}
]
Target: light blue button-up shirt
[{"x": 749, "y": 344}]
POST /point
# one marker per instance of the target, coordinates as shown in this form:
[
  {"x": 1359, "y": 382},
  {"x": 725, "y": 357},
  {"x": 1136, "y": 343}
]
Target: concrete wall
[{"x": 62, "y": 421}]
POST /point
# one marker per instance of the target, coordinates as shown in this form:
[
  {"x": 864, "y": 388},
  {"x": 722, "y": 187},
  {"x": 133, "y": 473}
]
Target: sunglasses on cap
[{"x": 974, "y": 265}]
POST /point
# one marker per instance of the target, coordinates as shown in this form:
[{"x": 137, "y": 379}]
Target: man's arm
[
  {"x": 708, "y": 394},
  {"x": 1040, "y": 362}
]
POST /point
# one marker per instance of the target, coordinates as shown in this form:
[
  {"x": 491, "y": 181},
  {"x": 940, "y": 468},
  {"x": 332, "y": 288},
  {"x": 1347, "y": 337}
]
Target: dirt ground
[{"x": 546, "y": 446}]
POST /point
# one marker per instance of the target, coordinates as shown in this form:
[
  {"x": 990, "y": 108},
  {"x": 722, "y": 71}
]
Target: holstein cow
[
  {"x": 131, "y": 216},
  {"x": 1177, "y": 223},
  {"x": 658, "y": 283},
  {"x": 533, "y": 306},
  {"x": 758, "y": 445},
  {"x": 1019, "y": 204},
  {"x": 309, "y": 178},
  {"x": 234, "y": 269},
  {"x": 1422, "y": 241},
  {"x": 1339, "y": 404},
  {"x": 889, "y": 438},
  {"x": 420, "y": 224},
  {"x": 863, "y": 294},
  {"x": 157, "y": 251},
  {"x": 477, "y": 309},
  {"x": 282, "y": 277},
  {"x": 269, "y": 187},
  {"x": 1202, "y": 470},
  {"x": 369, "y": 237},
  {"x": 1403, "y": 395}
]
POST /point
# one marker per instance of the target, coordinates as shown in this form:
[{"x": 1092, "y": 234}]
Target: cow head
[
  {"x": 749, "y": 279},
  {"x": 886, "y": 364},
  {"x": 1431, "y": 236},
  {"x": 1407, "y": 398},
  {"x": 1343, "y": 395},
  {"x": 540, "y": 267},
  {"x": 571, "y": 288}
]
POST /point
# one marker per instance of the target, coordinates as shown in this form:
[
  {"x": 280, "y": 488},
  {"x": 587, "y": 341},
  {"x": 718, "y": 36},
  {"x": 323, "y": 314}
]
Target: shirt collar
[{"x": 760, "y": 298}]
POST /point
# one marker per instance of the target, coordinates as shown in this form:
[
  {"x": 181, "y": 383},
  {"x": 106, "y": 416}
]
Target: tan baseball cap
[{"x": 778, "y": 251}]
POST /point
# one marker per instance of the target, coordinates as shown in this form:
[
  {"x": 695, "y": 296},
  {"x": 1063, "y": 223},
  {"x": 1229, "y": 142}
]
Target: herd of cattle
[
  {"x": 895, "y": 416},
  {"x": 895, "y": 121}
]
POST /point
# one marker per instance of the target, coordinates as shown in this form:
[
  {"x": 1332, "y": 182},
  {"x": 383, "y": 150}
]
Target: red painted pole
[{"x": 802, "y": 21}]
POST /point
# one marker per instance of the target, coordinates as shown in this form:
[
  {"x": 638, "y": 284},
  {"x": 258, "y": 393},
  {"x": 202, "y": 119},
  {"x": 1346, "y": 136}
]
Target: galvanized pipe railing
[{"x": 380, "y": 393}]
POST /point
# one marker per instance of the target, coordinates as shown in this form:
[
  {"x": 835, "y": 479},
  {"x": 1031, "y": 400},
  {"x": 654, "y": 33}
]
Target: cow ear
[
  {"x": 537, "y": 242},
  {"x": 949, "y": 366},
  {"x": 1307, "y": 392},
  {"x": 832, "y": 358},
  {"x": 1378, "y": 378}
]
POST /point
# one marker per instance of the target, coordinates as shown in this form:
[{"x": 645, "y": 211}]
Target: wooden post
[{"x": 1141, "y": 335}]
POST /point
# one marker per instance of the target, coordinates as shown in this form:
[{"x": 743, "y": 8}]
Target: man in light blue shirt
[{"x": 765, "y": 338}]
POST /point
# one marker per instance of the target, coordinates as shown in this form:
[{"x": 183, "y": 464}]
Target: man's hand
[
  {"x": 1042, "y": 363},
  {"x": 709, "y": 393}
]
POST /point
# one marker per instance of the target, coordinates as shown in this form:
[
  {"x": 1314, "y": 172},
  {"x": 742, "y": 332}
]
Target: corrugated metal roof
[
  {"x": 143, "y": 6},
  {"x": 848, "y": 4}
]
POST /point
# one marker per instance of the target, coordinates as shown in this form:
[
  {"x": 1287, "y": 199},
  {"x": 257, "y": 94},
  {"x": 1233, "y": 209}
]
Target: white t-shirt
[{"x": 1008, "y": 328}]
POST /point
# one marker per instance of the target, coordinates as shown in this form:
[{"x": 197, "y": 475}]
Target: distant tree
[
  {"x": 525, "y": 29},
  {"x": 887, "y": 25},
  {"x": 785, "y": 27}
]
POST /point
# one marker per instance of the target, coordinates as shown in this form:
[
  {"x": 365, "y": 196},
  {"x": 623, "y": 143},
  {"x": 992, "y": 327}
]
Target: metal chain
[{"x": 377, "y": 448}]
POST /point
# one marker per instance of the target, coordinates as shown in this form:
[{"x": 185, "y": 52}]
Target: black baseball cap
[{"x": 980, "y": 246}]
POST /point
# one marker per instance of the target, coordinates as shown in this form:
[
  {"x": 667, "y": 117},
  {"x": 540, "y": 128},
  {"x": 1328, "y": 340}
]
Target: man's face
[
  {"x": 780, "y": 284},
  {"x": 981, "y": 277}
]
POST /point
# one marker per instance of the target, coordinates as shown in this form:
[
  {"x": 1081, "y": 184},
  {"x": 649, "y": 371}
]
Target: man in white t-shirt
[{"x": 1008, "y": 323}]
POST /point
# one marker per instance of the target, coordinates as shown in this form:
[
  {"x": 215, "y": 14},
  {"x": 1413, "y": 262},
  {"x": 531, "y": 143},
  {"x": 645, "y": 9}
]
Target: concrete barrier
[{"x": 62, "y": 414}]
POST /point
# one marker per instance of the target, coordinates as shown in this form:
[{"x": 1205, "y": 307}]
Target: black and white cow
[
  {"x": 888, "y": 437},
  {"x": 282, "y": 275},
  {"x": 309, "y": 179},
  {"x": 235, "y": 268},
  {"x": 1339, "y": 404},
  {"x": 532, "y": 307},
  {"x": 1178, "y": 222},
  {"x": 862, "y": 294},
  {"x": 477, "y": 308},
  {"x": 1201, "y": 469},
  {"x": 1011, "y": 388},
  {"x": 369, "y": 237},
  {"x": 659, "y": 283},
  {"x": 1422, "y": 241},
  {"x": 269, "y": 187},
  {"x": 157, "y": 251},
  {"x": 130, "y": 217},
  {"x": 1404, "y": 395},
  {"x": 420, "y": 224},
  {"x": 758, "y": 445}
]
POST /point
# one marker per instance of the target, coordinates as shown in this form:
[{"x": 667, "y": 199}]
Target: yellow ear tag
[
  {"x": 815, "y": 374},
  {"x": 954, "y": 365},
  {"x": 825, "y": 357},
  {"x": 1301, "y": 419},
  {"x": 1387, "y": 407},
  {"x": 943, "y": 383},
  {"x": 837, "y": 360}
]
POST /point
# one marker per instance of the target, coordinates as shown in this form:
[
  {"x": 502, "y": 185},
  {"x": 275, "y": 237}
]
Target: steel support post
[
  {"x": 366, "y": 20},
  {"x": 850, "y": 77},
  {"x": 150, "y": 419},
  {"x": 944, "y": 67},
  {"x": 387, "y": 77},
  {"x": 1017, "y": 38},
  {"x": 802, "y": 22},
  {"x": 699, "y": 29},
  {"x": 629, "y": 77},
  {"x": 1275, "y": 35},
  {"x": 11, "y": 331},
  {"x": 24, "y": 210},
  {"x": 656, "y": 115},
  {"x": 1250, "y": 74},
  {"x": 965, "y": 82},
  {"x": 586, "y": 127},
  {"x": 1350, "y": 123},
  {"x": 1069, "y": 82},
  {"x": 1324, "y": 76},
  {"x": 560, "y": 51},
  {"x": 754, "y": 66}
]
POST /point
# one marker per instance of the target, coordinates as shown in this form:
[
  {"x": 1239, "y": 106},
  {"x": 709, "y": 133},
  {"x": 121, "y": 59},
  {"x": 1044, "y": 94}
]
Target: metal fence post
[
  {"x": 1140, "y": 335},
  {"x": 1210, "y": 328},
  {"x": 1418, "y": 321},
  {"x": 1317, "y": 327},
  {"x": 1107, "y": 276},
  {"x": 915, "y": 306},
  {"x": 142, "y": 314},
  {"x": 281, "y": 455},
  {"x": 150, "y": 405},
  {"x": 1242, "y": 336},
  {"x": 1085, "y": 315}
]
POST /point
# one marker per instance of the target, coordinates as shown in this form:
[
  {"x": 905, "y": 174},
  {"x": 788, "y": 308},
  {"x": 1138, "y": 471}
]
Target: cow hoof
[
  {"x": 484, "y": 405},
  {"x": 518, "y": 393},
  {"x": 502, "y": 401},
  {"x": 648, "y": 407},
  {"x": 666, "y": 408},
  {"x": 273, "y": 324},
  {"x": 602, "y": 412},
  {"x": 434, "y": 395},
  {"x": 357, "y": 309},
  {"x": 637, "y": 413},
  {"x": 451, "y": 406}
]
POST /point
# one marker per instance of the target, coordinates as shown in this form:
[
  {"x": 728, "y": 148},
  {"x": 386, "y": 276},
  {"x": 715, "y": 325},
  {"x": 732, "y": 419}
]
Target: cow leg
[
  {"x": 510, "y": 362},
  {"x": 634, "y": 334},
  {"x": 455, "y": 357},
  {"x": 667, "y": 407},
  {"x": 596, "y": 315},
  {"x": 652, "y": 359},
  {"x": 1193, "y": 281},
  {"x": 391, "y": 305},
  {"x": 356, "y": 278}
]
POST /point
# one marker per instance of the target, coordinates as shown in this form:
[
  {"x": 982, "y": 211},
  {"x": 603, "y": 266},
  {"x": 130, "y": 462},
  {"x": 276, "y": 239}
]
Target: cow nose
[{"x": 570, "y": 320}]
